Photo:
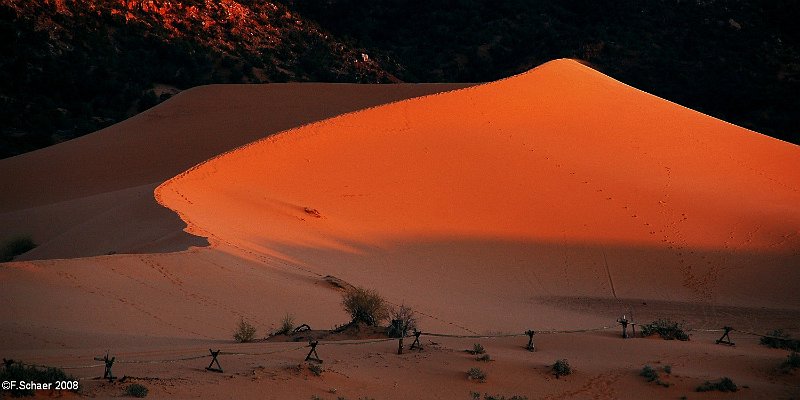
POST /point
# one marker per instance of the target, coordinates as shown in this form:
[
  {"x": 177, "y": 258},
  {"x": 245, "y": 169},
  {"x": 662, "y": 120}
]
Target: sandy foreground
[{"x": 554, "y": 200}]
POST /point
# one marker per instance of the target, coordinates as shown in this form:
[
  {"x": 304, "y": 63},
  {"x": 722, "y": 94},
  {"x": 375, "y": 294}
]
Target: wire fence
[{"x": 107, "y": 363}]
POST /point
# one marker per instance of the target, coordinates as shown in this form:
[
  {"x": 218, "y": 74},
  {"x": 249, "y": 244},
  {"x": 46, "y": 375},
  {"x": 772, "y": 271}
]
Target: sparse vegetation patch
[
  {"x": 315, "y": 369},
  {"x": 476, "y": 374},
  {"x": 477, "y": 348},
  {"x": 287, "y": 325},
  {"x": 245, "y": 332},
  {"x": 652, "y": 375},
  {"x": 561, "y": 368},
  {"x": 365, "y": 305},
  {"x": 791, "y": 363},
  {"x": 487, "y": 396},
  {"x": 136, "y": 390},
  {"x": 404, "y": 320},
  {"x": 19, "y": 372},
  {"x": 667, "y": 329},
  {"x": 777, "y": 339},
  {"x": 723, "y": 385}
]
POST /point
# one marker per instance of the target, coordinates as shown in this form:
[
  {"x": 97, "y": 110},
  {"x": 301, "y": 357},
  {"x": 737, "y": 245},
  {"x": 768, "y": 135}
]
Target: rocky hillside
[
  {"x": 738, "y": 60},
  {"x": 70, "y": 67}
]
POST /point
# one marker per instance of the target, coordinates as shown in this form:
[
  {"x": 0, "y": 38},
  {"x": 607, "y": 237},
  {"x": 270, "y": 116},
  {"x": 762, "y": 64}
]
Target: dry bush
[
  {"x": 245, "y": 332},
  {"x": 406, "y": 320},
  {"x": 476, "y": 374},
  {"x": 561, "y": 368},
  {"x": 365, "y": 305}
]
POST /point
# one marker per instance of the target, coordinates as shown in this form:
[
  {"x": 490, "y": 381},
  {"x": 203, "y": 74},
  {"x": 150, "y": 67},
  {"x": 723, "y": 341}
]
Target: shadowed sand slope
[
  {"x": 557, "y": 181},
  {"x": 94, "y": 195}
]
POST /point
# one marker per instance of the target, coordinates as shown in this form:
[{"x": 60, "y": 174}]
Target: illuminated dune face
[{"x": 557, "y": 182}]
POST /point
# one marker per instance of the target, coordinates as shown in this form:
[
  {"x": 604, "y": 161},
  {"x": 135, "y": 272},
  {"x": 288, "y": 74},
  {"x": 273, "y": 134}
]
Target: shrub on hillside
[
  {"x": 665, "y": 328},
  {"x": 792, "y": 362},
  {"x": 245, "y": 332},
  {"x": 15, "y": 371},
  {"x": 476, "y": 374},
  {"x": 316, "y": 369},
  {"x": 365, "y": 305},
  {"x": 777, "y": 339},
  {"x": 722, "y": 385},
  {"x": 561, "y": 368},
  {"x": 477, "y": 348},
  {"x": 287, "y": 325},
  {"x": 652, "y": 375},
  {"x": 404, "y": 320},
  {"x": 136, "y": 390}
]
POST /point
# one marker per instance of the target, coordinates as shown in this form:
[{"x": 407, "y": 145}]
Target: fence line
[{"x": 372, "y": 341}]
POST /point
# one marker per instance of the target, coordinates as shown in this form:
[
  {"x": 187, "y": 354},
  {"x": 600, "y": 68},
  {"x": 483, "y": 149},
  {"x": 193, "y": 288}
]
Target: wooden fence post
[
  {"x": 313, "y": 344},
  {"x": 214, "y": 355},
  {"x": 624, "y": 322},
  {"x": 530, "y": 346},
  {"x": 107, "y": 374},
  {"x": 726, "y": 338},
  {"x": 416, "y": 344}
]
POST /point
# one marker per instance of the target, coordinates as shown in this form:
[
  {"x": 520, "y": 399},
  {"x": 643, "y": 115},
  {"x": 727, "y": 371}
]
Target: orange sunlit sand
[{"x": 552, "y": 200}]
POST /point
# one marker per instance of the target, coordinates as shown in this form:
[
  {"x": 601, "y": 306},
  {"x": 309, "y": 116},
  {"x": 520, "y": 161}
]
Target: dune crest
[{"x": 559, "y": 157}]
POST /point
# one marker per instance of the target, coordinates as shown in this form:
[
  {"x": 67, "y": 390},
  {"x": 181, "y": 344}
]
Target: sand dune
[
  {"x": 93, "y": 195},
  {"x": 555, "y": 199},
  {"x": 560, "y": 180}
]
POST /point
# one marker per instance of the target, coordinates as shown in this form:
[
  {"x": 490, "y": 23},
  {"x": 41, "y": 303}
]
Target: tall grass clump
[{"x": 287, "y": 325}]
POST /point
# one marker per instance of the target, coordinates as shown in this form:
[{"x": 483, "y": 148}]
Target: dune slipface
[
  {"x": 555, "y": 183},
  {"x": 99, "y": 188}
]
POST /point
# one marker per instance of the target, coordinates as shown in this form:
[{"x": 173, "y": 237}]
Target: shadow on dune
[
  {"x": 124, "y": 221},
  {"x": 549, "y": 283}
]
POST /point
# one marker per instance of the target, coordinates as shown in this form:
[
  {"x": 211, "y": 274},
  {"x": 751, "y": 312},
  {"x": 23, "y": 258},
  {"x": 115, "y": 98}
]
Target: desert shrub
[
  {"x": 365, "y": 305},
  {"x": 477, "y": 348},
  {"x": 287, "y": 325},
  {"x": 31, "y": 373},
  {"x": 315, "y": 369},
  {"x": 245, "y": 332},
  {"x": 484, "y": 357},
  {"x": 652, "y": 375},
  {"x": 722, "y": 385},
  {"x": 668, "y": 369},
  {"x": 136, "y": 390},
  {"x": 777, "y": 339},
  {"x": 404, "y": 320},
  {"x": 792, "y": 362},
  {"x": 476, "y": 374},
  {"x": 561, "y": 368},
  {"x": 649, "y": 373},
  {"x": 665, "y": 328},
  {"x": 16, "y": 246},
  {"x": 487, "y": 396}
]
